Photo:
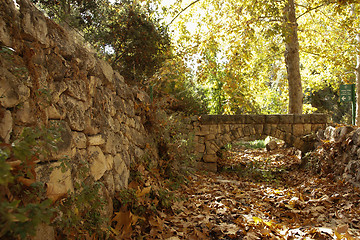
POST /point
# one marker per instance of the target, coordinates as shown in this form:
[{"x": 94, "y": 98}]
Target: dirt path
[
  {"x": 263, "y": 196},
  {"x": 257, "y": 195}
]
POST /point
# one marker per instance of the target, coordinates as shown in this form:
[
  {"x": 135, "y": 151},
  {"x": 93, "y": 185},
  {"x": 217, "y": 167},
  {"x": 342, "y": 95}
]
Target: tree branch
[
  {"x": 183, "y": 10},
  {"x": 309, "y": 10}
]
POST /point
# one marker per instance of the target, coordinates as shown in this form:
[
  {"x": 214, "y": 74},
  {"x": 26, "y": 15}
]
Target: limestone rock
[
  {"x": 55, "y": 112},
  {"x": 119, "y": 164},
  {"x": 272, "y": 145},
  {"x": 12, "y": 90},
  {"x": 76, "y": 116},
  {"x": 33, "y": 23},
  {"x": 44, "y": 232},
  {"x": 57, "y": 88},
  {"x": 79, "y": 139},
  {"x": 63, "y": 146},
  {"x": 97, "y": 162},
  {"x": 106, "y": 71},
  {"x": 5, "y": 37},
  {"x": 24, "y": 114},
  {"x": 109, "y": 182},
  {"x": 109, "y": 161},
  {"x": 58, "y": 181},
  {"x": 77, "y": 89},
  {"x": 121, "y": 174},
  {"x": 96, "y": 140},
  {"x": 6, "y": 125}
]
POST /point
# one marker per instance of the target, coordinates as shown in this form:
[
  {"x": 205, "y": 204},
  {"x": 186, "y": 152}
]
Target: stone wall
[
  {"x": 338, "y": 155},
  {"x": 49, "y": 76},
  {"x": 214, "y": 131}
]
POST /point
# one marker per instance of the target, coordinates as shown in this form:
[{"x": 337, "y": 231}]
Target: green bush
[{"x": 22, "y": 207}]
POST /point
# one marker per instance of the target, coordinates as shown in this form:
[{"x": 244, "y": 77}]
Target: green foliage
[
  {"x": 139, "y": 42},
  {"x": 82, "y": 212},
  {"x": 175, "y": 143},
  {"x": 81, "y": 14},
  {"x": 127, "y": 197},
  {"x": 23, "y": 208},
  {"x": 254, "y": 144},
  {"x": 128, "y": 33},
  {"x": 259, "y": 170}
]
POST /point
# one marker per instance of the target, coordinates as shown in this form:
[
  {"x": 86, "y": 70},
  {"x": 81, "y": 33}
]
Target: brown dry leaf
[
  {"x": 124, "y": 220},
  {"x": 342, "y": 228},
  {"x": 141, "y": 193}
]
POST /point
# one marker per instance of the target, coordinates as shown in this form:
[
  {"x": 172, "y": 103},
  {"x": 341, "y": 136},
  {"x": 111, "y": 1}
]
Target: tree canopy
[{"x": 223, "y": 56}]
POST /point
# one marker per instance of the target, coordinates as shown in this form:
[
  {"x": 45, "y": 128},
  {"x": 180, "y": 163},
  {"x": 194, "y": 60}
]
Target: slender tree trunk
[
  {"x": 292, "y": 59},
  {"x": 357, "y": 74}
]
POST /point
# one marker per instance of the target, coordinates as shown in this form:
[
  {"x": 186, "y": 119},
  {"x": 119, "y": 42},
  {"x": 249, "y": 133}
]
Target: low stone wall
[
  {"x": 338, "y": 155},
  {"x": 48, "y": 76},
  {"x": 214, "y": 131}
]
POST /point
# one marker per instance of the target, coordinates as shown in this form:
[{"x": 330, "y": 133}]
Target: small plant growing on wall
[{"x": 25, "y": 203}]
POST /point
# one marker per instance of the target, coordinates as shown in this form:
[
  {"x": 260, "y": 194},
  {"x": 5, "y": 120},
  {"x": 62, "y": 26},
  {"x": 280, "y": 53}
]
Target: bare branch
[
  {"x": 310, "y": 9},
  {"x": 183, "y": 10}
]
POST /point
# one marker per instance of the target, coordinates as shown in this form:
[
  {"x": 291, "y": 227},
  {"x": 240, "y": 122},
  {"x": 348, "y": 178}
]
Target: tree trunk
[
  {"x": 292, "y": 59},
  {"x": 357, "y": 74}
]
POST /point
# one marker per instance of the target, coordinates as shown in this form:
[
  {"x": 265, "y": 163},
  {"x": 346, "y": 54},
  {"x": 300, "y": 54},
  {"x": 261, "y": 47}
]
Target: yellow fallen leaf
[{"x": 257, "y": 220}]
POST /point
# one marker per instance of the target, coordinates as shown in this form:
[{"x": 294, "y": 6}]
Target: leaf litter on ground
[{"x": 257, "y": 195}]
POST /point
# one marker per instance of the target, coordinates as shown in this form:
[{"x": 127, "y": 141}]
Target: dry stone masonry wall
[
  {"x": 214, "y": 131},
  {"x": 48, "y": 76}
]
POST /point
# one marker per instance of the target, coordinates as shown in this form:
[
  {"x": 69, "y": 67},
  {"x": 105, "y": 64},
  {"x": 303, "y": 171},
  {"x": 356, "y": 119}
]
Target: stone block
[
  {"x": 6, "y": 125},
  {"x": 287, "y": 118},
  {"x": 302, "y": 118},
  {"x": 64, "y": 146},
  {"x": 239, "y": 119},
  {"x": 5, "y": 34},
  {"x": 97, "y": 160},
  {"x": 109, "y": 182},
  {"x": 289, "y": 138},
  {"x": 235, "y": 134},
  {"x": 24, "y": 113},
  {"x": 200, "y": 148},
  {"x": 209, "y": 167},
  {"x": 57, "y": 88},
  {"x": 285, "y": 127},
  {"x": 307, "y": 129},
  {"x": 210, "y": 158},
  {"x": 93, "y": 82},
  {"x": 240, "y": 131},
  {"x": 109, "y": 161},
  {"x": 211, "y": 148},
  {"x": 55, "y": 112},
  {"x": 298, "y": 130},
  {"x": 44, "y": 232},
  {"x": 58, "y": 181},
  {"x": 12, "y": 90},
  {"x": 319, "y": 119},
  {"x": 226, "y": 138},
  {"x": 79, "y": 139},
  {"x": 214, "y": 129},
  {"x": 106, "y": 73},
  {"x": 96, "y": 140},
  {"x": 246, "y": 130},
  {"x": 253, "y": 119},
  {"x": 267, "y": 129},
  {"x": 259, "y": 128},
  {"x": 121, "y": 180},
  {"x": 76, "y": 116},
  {"x": 77, "y": 89},
  {"x": 34, "y": 24},
  {"x": 272, "y": 119}
]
